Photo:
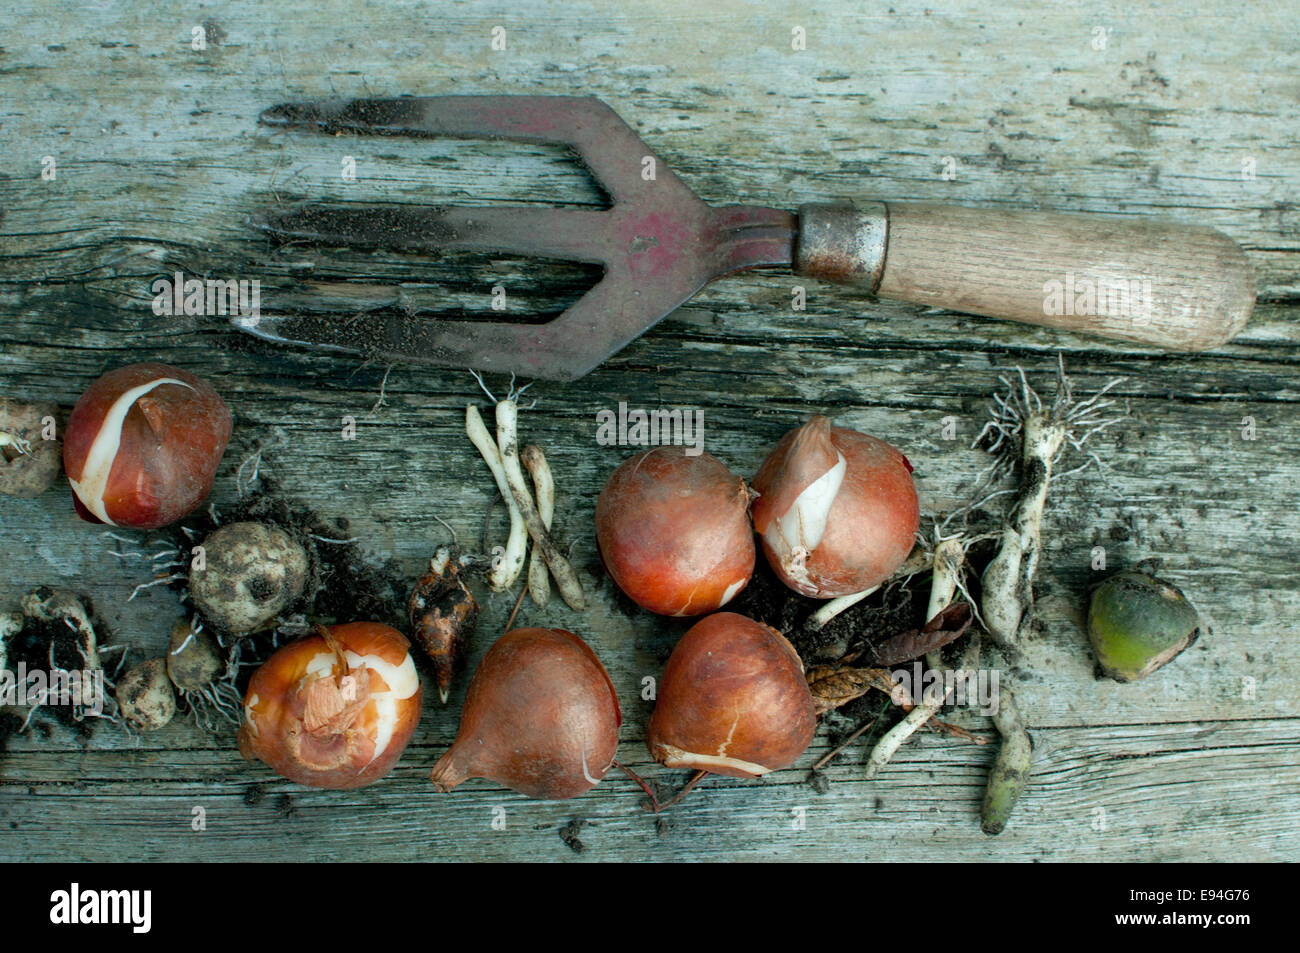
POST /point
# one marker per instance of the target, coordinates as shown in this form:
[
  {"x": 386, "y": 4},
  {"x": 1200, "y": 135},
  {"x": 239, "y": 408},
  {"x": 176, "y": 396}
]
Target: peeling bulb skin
[
  {"x": 803, "y": 479},
  {"x": 674, "y": 532},
  {"x": 336, "y": 709},
  {"x": 142, "y": 445},
  {"x": 836, "y": 511},
  {"x": 541, "y": 717},
  {"x": 733, "y": 700}
]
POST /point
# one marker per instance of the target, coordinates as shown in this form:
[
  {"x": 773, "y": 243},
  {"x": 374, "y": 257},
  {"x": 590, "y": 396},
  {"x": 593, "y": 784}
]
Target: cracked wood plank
[{"x": 161, "y": 166}]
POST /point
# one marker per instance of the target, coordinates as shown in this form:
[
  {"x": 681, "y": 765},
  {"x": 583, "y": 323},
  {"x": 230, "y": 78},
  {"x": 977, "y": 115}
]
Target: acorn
[{"x": 1138, "y": 623}]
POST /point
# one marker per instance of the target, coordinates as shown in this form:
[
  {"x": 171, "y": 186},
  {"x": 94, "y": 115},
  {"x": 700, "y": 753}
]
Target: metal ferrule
[{"x": 842, "y": 242}]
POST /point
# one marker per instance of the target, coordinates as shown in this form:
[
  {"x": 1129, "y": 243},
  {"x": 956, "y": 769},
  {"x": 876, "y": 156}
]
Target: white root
[
  {"x": 566, "y": 580},
  {"x": 163, "y": 581},
  {"x": 949, "y": 556},
  {"x": 539, "y": 579},
  {"x": 1007, "y": 596},
  {"x": 894, "y": 738},
  {"x": 917, "y": 561},
  {"x": 834, "y": 607},
  {"x": 506, "y": 570},
  {"x": 1020, "y": 421},
  {"x": 922, "y": 711}
]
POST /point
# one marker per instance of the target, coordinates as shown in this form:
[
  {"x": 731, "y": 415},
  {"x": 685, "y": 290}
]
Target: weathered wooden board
[{"x": 160, "y": 165}]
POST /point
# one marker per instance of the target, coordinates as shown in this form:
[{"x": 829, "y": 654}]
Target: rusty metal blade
[{"x": 659, "y": 243}]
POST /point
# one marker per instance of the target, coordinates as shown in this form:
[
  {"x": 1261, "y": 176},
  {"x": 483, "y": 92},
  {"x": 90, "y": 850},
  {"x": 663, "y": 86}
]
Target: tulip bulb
[
  {"x": 673, "y": 530},
  {"x": 733, "y": 700},
  {"x": 335, "y": 709},
  {"x": 541, "y": 717},
  {"x": 251, "y": 573},
  {"x": 145, "y": 696},
  {"x": 837, "y": 510},
  {"x": 142, "y": 446}
]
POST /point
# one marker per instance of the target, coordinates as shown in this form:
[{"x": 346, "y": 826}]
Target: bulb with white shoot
[
  {"x": 836, "y": 509},
  {"x": 1028, "y": 436},
  {"x": 142, "y": 446}
]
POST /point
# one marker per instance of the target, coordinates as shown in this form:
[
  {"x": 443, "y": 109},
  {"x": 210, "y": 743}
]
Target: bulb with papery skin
[
  {"x": 674, "y": 533},
  {"x": 540, "y": 716},
  {"x": 837, "y": 511},
  {"x": 142, "y": 445},
  {"x": 733, "y": 700},
  {"x": 336, "y": 709}
]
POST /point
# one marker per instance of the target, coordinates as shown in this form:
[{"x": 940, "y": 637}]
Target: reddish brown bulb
[
  {"x": 541, "y": 717},
  {"x": 142, "y": 445},
  {"x": 733, "y": 700},
  {"x": 837, "y": 510},
  {"x": 674, "y": 531}
]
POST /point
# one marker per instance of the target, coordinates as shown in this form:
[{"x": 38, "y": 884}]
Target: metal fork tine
[
  {"x": 570, "y": 234},
  {"x": 610, "y": 148},
  {"x": 529, "y": 350},
  {"x": 611, "y": 314},
  {"x": 658, "y": 242}
]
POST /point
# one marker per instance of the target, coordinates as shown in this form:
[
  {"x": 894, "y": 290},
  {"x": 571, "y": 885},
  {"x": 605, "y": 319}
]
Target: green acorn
[{"x": 1137, "y": 623}]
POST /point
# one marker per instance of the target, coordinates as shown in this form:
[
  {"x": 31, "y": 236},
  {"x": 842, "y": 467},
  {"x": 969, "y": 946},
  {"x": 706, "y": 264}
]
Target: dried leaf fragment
[{"x": 948, "y": 626}]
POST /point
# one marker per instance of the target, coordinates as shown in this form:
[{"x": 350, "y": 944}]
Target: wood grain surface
[{"x": 161, "y": 166}]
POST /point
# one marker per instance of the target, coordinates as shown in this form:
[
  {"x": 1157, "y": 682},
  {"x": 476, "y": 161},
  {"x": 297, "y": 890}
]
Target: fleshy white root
[
  {"x": 894, "y": 738},
  {"x": 566, "y": 580},
  {"x": 1023, "y": 430},
  {"x": 946, "y": 560},
  {"x": 505, "y": 570},
  {"x": 834, "y": 607},
  {"x": 923, "y": 710},
  {"x": 539, "y": 579}
]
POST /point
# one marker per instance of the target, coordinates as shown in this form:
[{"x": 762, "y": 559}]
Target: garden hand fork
[{"x": 1173, "y": 286}]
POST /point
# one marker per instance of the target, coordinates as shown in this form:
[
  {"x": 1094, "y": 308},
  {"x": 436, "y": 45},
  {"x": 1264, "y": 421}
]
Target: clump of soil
[
  {"x": 41, "y": 645},
  {"x": 346, "y": 585},
  {"x": 9, "y": 725},
  {"x": 894, "y": 609},
  {"x": 569, "y": 834}
]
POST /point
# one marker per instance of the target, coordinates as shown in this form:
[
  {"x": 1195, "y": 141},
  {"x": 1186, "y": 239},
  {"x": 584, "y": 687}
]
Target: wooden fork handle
[{"x": 1178, "y": 287}]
